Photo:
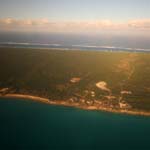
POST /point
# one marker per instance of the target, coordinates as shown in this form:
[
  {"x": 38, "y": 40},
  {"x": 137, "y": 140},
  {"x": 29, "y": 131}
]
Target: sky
[{"x": 75, "y": 15}]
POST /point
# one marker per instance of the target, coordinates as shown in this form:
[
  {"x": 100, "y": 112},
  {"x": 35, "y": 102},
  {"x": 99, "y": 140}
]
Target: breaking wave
[{"x": 79, "y": 47}]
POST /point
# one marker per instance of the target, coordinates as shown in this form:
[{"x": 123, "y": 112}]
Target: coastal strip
[{"x": 76, "y": 105}]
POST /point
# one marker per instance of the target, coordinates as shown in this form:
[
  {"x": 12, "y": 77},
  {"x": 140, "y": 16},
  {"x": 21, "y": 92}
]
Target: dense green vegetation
[{"x": 48, "y": 73}]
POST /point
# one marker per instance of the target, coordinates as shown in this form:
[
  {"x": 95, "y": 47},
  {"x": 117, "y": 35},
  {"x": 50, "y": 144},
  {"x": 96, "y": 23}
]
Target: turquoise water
[{"x": 26, "y": 125}]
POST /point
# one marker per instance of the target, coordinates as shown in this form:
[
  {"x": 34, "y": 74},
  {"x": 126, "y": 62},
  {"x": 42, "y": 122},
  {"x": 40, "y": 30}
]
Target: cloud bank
[
  {"x": 11, "y": 24},
  {"x": 141, "y": 24}
]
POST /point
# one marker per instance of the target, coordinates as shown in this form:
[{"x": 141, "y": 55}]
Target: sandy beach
[{"x": 76, "y": 105}]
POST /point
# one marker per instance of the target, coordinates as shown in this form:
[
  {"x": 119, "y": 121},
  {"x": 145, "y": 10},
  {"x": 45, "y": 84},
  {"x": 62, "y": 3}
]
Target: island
[{"x": 94, "y": 80}]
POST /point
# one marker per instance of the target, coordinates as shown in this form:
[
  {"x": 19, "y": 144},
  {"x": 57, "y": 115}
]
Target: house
[{"x": 124, "y": 105}]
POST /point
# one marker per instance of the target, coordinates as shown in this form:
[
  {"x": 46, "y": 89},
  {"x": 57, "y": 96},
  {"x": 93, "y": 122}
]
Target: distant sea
[
  {"x": 28, "y": 125},
  {"x": 70, "y": 41}
]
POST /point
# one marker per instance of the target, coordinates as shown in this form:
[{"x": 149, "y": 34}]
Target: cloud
[
  {"x": 11, "y": 24},
  {"x": 46, "y": 24},
  {"x": 140, "y": 24},
  {"x": 25, "y": 22}
]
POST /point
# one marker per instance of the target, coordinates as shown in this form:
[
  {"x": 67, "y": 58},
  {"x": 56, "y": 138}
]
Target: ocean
[
  {"x": 99, "y": 42},
  {"x": 28, "y": 125}
]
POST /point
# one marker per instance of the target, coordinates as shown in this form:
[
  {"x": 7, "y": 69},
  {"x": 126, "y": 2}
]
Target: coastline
[
  {"x": 100, "y": 49},
  {"x": 76, "y": 105}
]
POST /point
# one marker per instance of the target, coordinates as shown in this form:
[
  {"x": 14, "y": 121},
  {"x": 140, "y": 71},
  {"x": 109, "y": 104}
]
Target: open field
[{"x": 114, "y": 80}]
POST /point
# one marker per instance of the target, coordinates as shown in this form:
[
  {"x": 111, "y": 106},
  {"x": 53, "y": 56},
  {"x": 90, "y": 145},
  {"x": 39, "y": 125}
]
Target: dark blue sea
[
  {"x": 98, "y": 42},
  {"x": 27, "y": 125}
]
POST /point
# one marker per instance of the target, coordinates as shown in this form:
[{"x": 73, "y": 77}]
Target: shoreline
[
  {"x": 75, "y": 105},
  {"x": 75, "y": 49}
]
